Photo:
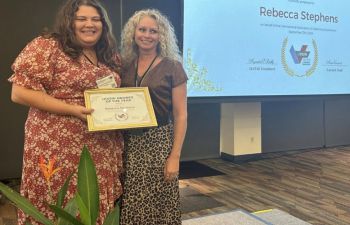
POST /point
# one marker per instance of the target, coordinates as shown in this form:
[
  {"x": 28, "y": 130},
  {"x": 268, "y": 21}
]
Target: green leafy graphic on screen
[
  {"x": 197, "y": 77},
  {"x": 85, "y": 203}
]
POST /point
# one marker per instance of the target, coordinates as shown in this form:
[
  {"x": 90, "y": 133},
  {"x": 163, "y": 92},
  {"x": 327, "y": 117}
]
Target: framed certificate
[{"x": 119, "y": 108}]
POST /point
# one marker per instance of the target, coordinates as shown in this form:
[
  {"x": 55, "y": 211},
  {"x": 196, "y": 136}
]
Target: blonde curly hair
[{"x": 167, "y": 46}]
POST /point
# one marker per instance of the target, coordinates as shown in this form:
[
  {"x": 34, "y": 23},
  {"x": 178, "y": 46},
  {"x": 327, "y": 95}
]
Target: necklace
[
  {"x": 138, "y": 81},
  {"x": 89, "y": 59}
]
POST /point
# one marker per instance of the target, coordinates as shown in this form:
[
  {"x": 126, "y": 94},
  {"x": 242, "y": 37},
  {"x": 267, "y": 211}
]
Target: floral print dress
[{"x": 43, "y": 66}]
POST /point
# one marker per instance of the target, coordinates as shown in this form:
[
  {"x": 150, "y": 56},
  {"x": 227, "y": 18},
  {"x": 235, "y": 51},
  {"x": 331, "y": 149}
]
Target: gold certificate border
[{"x": 116, "y": 126}]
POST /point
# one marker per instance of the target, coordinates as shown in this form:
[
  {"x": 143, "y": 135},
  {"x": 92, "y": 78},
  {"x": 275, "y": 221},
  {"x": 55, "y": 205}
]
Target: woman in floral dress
[{"x": 50, "y": 76}]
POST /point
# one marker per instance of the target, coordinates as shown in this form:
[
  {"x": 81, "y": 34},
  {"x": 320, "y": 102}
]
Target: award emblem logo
[
  {"x": 300, "y": 64},
  {"x": 121, "y": 116}
]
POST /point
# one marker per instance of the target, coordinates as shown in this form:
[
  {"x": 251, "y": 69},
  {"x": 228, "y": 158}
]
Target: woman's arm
[
  {"x": 43, "y": 101},
  {"x": 179, "y": 98}
]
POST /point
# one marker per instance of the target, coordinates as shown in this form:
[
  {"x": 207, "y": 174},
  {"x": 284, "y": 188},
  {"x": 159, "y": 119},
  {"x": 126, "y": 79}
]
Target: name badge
[{"x": 106, "y": 82}]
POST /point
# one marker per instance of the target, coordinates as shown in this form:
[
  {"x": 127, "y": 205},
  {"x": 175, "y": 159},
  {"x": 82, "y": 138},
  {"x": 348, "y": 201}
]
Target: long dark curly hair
[{"x": 63, "y": 31}]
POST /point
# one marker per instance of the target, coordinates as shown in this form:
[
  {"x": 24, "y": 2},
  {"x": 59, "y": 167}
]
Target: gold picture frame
[{"x": 119, "y": 108}]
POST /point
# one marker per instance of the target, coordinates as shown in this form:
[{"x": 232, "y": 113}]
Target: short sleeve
[
  {"x": 179, "y": 76},
  {"x": 34, "y": 66}
]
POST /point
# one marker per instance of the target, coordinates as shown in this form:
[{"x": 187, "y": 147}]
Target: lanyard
[
  {"x": 137, "y": 84},
  {"x": 90, "y": 60}
]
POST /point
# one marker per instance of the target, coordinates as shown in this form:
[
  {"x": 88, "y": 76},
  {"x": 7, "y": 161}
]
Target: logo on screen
[
  {"x": 299, "y": 63},
  {"x": 298, "y": 56}
]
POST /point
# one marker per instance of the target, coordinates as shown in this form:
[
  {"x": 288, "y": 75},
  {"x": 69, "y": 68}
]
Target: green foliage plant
[{"x": 85, "y": 202}]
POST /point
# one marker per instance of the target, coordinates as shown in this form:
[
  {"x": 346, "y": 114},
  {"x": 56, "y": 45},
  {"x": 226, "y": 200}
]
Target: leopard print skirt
[{"x": 147, "y": 198}]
